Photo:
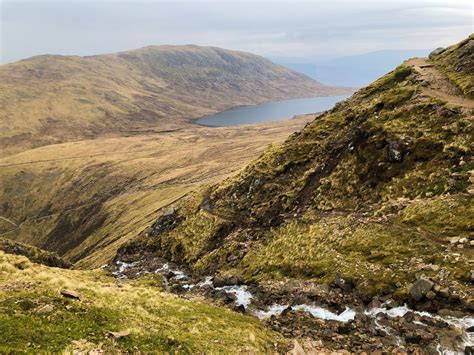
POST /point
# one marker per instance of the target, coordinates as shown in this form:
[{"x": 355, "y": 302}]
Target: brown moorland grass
[
  {"x": 52, "y": 99},
  {"x": 85, "y": 199}
]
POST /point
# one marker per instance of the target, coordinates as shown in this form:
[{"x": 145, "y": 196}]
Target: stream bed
[{"x": 388, "y": 324}]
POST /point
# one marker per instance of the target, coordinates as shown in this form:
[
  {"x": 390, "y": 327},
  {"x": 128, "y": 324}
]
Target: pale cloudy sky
[{"x": 277, "y": 29}]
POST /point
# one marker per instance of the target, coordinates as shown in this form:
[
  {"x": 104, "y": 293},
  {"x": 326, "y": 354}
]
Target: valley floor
[{"x": 84, "y": 199}]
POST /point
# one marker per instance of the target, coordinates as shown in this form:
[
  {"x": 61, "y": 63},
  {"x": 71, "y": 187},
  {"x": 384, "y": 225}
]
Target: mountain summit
[{"x": 50, "y": 98}]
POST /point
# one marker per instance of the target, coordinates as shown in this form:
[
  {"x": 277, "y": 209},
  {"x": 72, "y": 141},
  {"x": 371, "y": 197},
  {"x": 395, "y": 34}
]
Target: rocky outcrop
[
  {"x": 36, "y": 255},
  {"x": 421, "y": 288}
]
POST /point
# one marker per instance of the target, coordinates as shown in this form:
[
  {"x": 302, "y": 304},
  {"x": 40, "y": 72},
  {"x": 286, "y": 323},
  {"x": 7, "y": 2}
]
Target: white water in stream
[{"x": 244, "y": 298}]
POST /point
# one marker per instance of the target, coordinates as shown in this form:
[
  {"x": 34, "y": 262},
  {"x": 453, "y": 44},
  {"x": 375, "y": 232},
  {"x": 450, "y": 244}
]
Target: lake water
[{"x": 271, "y": 111}]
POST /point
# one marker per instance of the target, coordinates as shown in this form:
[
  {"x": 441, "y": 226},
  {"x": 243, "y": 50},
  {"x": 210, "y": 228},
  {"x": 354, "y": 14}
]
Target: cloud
[{"x": 293, "y": 29}]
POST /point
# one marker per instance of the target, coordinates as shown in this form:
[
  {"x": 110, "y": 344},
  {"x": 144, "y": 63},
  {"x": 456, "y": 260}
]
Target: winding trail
[
  {"x": 8, "y": 221},
  {"x": 438, "y": 84},
  {"x": 207, "y": 206}
]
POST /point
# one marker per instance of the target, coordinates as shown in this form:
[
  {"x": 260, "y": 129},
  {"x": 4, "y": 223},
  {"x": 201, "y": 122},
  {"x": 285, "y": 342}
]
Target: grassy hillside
[
  {"x": 36, "y": 317},
  {"x": 83, "y": 200},
  {"x": 52, "y": 99},
  {"x": 373, "y": 191}
]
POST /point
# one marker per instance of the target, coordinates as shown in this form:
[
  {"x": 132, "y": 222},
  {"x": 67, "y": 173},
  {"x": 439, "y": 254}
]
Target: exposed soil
[{"x": 436, "y": 84}]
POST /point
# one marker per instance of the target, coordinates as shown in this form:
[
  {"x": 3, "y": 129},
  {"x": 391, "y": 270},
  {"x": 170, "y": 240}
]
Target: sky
[{"x": 288, "y": 30}]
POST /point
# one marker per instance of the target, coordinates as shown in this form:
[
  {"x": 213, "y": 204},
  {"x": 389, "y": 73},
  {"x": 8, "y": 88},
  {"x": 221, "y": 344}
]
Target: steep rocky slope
[
  {"x": 373, "y": 197},
  {"x": 52, "y": 99}
]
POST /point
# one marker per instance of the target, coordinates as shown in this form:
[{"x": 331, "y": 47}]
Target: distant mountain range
[{"x": 354, "y": 71}]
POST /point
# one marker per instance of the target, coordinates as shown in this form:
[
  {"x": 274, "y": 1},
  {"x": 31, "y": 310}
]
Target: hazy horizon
[{"x": 290, "y": 31}]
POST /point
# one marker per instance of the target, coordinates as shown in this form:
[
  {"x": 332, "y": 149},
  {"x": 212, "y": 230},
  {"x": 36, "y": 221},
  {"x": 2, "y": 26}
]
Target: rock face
[
  {"x": 396, "y": 152},
  {"x": 36, "y": 255},
  {"x": 421, "y": 288},
  {"x": 165, "y": 222}
]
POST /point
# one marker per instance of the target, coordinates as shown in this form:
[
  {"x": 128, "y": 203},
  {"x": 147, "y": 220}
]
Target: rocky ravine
[{"x": 324, "y": 318}]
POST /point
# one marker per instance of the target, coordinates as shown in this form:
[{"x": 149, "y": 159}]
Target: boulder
[
  {"x": 444, "y": 292},
  {"x": 375, "y": 303},
  {"x": 47, "y": 308},
  {"x": 420, "y": 288},
  {"x": 71, "y": 294},
  {"x": 297, "y": 349},
  {"x": 435, "y": 52},
  {"x": 240, "y": 308},
  {"x": 233, "y": 280},
  {"x": 343, "y": 284},
  {"x": 396, "y": 151},
  {"x": 286, "y": 311},
  {"x": 391, "y": 303},
  {"x": 227, "y": 281},
  {"x": 412, "y": 338},
  {"x": 454, "y": 240},
  {"x": 409, "y": 316},
  {"x": 118, "y": 335},
  {"x": 218, "y": 282}
]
